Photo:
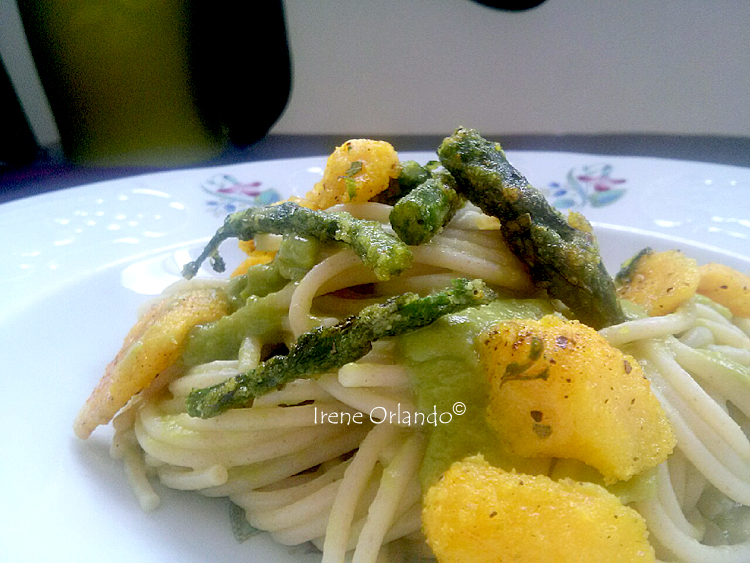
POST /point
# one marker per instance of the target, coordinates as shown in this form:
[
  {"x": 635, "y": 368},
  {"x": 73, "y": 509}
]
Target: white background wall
[
  {"x": 568, "y": 66},
  {"x": 426, "y": 66}
]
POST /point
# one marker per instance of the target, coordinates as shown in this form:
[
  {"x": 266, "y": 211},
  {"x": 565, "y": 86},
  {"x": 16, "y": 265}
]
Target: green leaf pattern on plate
[{"x": 589, "y": 185}]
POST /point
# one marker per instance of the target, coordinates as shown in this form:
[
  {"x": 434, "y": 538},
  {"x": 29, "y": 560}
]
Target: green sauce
[
  {"x": 446, "y": 370},
  {"x": 297, "y": 256},
  {"x": 260, "y": 299},
  {"x": 221, "y": 340}
]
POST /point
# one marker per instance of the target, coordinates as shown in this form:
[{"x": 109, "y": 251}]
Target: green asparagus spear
[
  {"x": 422, "y": 213},
  {"x": 412, "y": 175},
  {"x": 562, "y": 256},
  {"x": 326, "y": 348},
  {"x": 378, "y": 249}
]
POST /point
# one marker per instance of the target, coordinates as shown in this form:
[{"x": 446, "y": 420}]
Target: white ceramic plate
[{"x": 77, "y": 263}]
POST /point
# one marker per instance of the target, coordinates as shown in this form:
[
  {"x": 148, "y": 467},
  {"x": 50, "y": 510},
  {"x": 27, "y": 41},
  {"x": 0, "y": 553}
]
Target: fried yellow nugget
[
  {"x": 559, "y": 389},
  {"x": 477, "y": 513},
  {"x": 658, "y": 281},
  {"x": 152, "y": 345},
  {"x": 727, "y": 287},
  {"x": 356, "y": 171}
]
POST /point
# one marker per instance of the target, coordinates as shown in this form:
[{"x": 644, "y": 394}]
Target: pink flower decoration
[
  {"x": 600, "y": 183},
  {"x": 250, "y": 189}
]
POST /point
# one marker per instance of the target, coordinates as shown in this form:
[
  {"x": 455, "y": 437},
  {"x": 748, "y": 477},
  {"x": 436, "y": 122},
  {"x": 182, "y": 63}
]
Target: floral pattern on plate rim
[
  {"x": 230, "y": 194},
  {"x": 588, "y": 185}
]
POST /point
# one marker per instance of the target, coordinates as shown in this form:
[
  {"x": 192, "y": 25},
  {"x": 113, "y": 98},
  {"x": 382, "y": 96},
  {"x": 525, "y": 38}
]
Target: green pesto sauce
[
  {"x": 260, "y": 300},
  {"x": 221, "y": 340},
  {"x": 297, "y": 256},
  {"x": 446, "y": 370},
  {"x": 259, "y": 281}
]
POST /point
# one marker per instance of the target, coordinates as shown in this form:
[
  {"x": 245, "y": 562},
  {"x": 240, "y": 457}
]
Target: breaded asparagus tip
[
  {"x": 378, "y": 249},
  {"x": 422, "y": 213},
  {"x": 562, "y": 255},
  {"x": 326, "y": 348}
]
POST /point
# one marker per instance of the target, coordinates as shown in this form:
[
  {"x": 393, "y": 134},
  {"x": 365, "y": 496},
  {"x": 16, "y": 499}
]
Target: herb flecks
[
  {"x": 542, "y": 430},
  {"x": 537, "y": 347},
  {"x": 355, "y": 167},
  {"x": 351, "y": 187},
  {"x": 517, "y": 371}
]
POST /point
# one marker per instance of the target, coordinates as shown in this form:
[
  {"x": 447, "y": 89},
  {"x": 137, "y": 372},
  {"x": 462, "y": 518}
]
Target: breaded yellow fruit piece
[
  {"x": 658, "y": 281},
  {"x": 356, "y": 171},
  {"x": 727, "y": 287},
  {"x": 153, "y": 344},
  {"x": 477, "y": 513},
  {"x": 559, "y": 389}
]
